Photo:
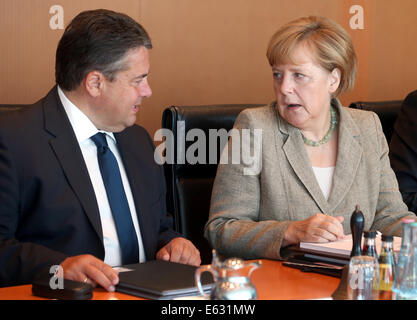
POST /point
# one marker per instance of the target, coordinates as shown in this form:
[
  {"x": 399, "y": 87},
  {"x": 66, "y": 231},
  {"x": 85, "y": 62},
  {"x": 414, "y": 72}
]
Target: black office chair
[
  {"x": 387, "y": 112},
  {"x": 10, "y": 107},
  {"x": 189, "y": 186}
]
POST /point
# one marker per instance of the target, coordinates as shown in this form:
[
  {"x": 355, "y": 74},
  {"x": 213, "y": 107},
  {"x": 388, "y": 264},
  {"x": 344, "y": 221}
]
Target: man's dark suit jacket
[
  {"x": 48, "y": 209},
  {"x": 403, "y": 150}
]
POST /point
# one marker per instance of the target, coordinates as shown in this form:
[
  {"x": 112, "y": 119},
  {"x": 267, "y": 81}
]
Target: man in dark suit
[
  {"x": 403, "y": 150},
  {"x": 79, "y": 186}
]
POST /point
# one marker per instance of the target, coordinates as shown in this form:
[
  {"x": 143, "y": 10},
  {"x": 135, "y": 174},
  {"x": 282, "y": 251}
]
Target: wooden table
[{"x": 273, "y": 281}]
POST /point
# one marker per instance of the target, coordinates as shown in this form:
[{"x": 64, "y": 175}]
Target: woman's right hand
[{"x": 318, "y": 228}]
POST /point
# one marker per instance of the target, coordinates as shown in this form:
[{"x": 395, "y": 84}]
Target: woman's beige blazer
[{"x": 250, "y": 212}]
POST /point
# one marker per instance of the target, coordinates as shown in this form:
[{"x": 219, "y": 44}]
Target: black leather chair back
[
  {"x": 189, "y": 185},
  {"x": 9, "y": 107},
  {"x": 386, "y": 110}
]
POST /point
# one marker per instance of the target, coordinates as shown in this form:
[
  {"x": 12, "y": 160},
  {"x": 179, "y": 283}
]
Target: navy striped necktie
[{"x": 117, "y": 199}]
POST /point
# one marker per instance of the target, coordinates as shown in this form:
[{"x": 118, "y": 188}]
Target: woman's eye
[{"x": 277, "y": 75}]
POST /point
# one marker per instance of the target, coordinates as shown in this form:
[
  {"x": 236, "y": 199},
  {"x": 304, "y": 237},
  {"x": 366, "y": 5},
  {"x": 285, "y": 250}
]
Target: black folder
[
  {"x": 161, "y": 280},
  {"x": 308, "y": 260}
]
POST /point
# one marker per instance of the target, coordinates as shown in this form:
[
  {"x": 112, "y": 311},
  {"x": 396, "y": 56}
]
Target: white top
[
  {"x": 84, "y": 129},
  {"x": 324, "y": 177}
]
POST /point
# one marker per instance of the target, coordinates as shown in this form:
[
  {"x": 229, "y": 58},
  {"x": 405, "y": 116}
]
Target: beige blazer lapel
[
  {"x": 348, "y": 158},
  {"x": 298, "y": 159}
]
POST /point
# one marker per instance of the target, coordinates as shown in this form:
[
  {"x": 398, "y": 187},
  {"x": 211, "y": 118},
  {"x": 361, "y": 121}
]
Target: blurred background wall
[{"x": 211, "y": 51}]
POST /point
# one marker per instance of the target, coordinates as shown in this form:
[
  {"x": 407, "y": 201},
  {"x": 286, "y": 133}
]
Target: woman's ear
[{"x": 334, "y": 78}]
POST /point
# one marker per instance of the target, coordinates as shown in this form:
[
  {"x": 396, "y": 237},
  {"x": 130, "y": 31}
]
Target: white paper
[
  {"x": 122, "y": 269},
  {"x": 344, "y": 247}
]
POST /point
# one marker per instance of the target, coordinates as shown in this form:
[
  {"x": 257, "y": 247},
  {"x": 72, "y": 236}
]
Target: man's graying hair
[{"x": 96, "y": 40}]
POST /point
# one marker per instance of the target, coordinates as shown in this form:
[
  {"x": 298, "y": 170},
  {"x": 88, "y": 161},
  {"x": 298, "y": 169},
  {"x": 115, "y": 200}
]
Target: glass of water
[{"x": 363, "y": 278}]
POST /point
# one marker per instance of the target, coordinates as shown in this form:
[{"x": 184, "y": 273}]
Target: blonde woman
[{"x": 318, "y": 159}]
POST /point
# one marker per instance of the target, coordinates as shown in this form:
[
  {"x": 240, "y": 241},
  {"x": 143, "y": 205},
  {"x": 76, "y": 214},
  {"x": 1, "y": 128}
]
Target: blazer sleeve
[
  {"x": 390, "y": 206},
  {"x": 20, "y": 262},
  {"x": 234, "y": 227}
]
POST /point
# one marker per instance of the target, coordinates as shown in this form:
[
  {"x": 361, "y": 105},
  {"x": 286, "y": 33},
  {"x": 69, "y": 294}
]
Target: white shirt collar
[{"x": 83, "y": 128}]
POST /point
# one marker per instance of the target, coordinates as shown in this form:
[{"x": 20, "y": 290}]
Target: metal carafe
[{"x": 231, "y": 279}]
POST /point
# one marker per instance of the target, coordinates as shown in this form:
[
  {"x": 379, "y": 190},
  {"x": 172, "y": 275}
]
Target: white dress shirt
[{"x": 84, "y": 129}]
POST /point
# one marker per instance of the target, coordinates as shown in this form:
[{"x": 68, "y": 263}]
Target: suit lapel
[
  {"x": 131, "y": 164},
  {"x": 348, "y": 158},
  {"x": 129, "y": 149},
  {"x": 297, "y": 157},
  {"x": 68, "y": 153}
]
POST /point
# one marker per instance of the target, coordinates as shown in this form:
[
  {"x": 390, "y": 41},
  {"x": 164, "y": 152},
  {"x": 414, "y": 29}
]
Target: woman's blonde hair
[{"x": 330, "y": 44}]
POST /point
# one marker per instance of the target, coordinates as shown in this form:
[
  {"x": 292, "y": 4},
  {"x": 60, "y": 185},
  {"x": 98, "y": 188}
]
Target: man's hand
[
  {"x": 180, "y": 250},
  {"x": 87, "y": 268}
]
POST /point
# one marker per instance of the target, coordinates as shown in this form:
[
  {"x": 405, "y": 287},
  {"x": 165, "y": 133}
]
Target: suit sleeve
[
  {"x": 20, "y": 262},
  {"x": 404, "y": 164},
  {"x": 166, "y": 232},
  {"x": 390, "y": 207},
  {"x": 403, "y": 151}
]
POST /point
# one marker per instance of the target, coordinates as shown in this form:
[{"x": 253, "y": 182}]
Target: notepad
[
  {"x": 160, "y": 280},
  {"x": 344, "y": 247}
]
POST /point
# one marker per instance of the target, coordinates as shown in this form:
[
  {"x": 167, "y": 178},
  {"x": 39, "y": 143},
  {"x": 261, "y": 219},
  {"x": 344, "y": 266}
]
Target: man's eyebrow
[{"x": 141, "y": 76}]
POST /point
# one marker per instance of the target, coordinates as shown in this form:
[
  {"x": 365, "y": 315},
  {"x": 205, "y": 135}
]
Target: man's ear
[
  {"x": 334, "y": 77},
  {"x": 94, "y": 83}
]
